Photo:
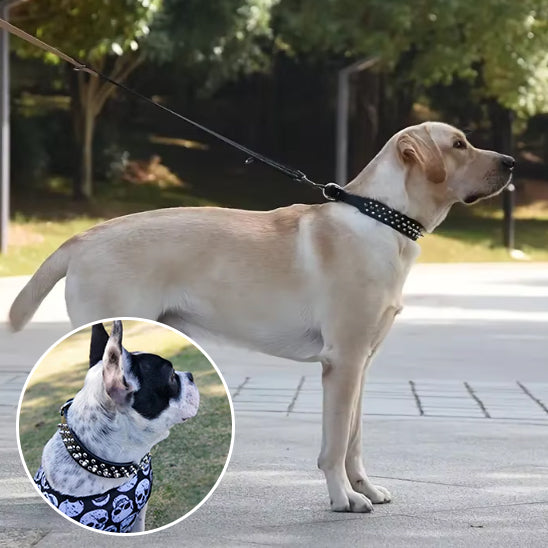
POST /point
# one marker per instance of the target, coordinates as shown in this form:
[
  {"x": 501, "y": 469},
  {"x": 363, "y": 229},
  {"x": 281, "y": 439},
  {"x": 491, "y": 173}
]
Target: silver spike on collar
[{"x": 91, "y": 462}]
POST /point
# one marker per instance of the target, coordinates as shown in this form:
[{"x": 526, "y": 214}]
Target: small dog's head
[{"x": 143, "y": 386}]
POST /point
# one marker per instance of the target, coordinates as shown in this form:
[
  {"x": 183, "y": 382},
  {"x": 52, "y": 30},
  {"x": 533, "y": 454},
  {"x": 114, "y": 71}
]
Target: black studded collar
[
  {"x": 88, "y": 460},
  {"x": 376, "y": 210}
]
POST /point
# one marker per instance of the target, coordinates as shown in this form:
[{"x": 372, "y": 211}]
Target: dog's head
[
  {"x": 143, "y": 386},
  {"x": 440, "y": 160}
]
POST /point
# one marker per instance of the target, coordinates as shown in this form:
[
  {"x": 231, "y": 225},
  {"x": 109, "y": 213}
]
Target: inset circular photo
[{"x": 125, "y": 426}]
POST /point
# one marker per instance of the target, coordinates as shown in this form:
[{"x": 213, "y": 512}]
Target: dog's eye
[
  {"x": 459, "y": 143},
  {"x": 173, "y": 376}
]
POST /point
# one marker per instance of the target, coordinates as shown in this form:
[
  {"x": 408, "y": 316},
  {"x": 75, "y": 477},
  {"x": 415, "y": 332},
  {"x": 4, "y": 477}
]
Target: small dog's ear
[
  {"x": 99, "y": 338},
  {"x": 114, "y": 380},
  {"x": 418, "y": 147}
]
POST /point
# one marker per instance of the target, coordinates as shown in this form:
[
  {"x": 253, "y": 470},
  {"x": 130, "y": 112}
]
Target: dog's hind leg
[{"x": 340, "y": 379}]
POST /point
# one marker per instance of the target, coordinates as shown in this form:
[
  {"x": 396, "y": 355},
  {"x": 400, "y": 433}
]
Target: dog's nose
[
  {"x": 508, "y": 161},
  {"x": 189, "y": 376}
]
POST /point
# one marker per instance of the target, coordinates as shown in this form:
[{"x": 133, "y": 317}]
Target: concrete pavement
[{"x": 456, "y": 427}]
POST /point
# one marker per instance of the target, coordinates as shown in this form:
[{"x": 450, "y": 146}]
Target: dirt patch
[{"x": 22, "y": 235}]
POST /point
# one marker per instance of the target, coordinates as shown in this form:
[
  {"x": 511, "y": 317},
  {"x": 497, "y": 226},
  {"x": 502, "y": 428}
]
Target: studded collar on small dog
[
  {"x": 376, "y": 210},
  {"x": 88, "y": 460}
]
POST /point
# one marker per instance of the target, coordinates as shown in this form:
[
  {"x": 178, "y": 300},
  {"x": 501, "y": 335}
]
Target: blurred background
[{"x": 272, "y": 74}]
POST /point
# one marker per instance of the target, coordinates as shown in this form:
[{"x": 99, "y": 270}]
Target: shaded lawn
[
  {"x": 186, "y": 465},
  {"x": 474, "y": 234}
]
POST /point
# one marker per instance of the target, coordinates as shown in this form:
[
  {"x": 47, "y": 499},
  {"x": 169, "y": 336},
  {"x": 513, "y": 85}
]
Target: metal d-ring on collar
[
  {"x": 88, "y": 460},
  {"x": 377, "y": 210}
]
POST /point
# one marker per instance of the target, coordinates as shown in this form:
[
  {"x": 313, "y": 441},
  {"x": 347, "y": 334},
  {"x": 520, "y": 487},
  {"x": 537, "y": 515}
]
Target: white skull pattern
[
  {"x": 95, "y": 519},
  {"x": 121, "y": 508},
  {"x": 52, "y": 499},
  {"x": 146, "y": 468},
  {"x": 39, "y": 476},
  {"x": 129, "y": 484},
  {"x": 43, "y": 480},
  {"x": 127, "y": 523},
  {"x": 102, "y": 500},
  {"x": 71, "y": 508},
  {"x": 142, "y": 492}
]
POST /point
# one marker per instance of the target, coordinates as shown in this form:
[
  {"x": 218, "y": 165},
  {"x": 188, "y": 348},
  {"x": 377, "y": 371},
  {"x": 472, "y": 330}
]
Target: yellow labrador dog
[{"x": 306, "y": 282}]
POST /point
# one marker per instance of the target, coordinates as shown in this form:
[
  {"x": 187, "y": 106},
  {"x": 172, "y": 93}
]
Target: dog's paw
[
  {"x": 381, "y": 495},
  {"x": 352, "y": 502},
  {"x": 375, "y": 493}
]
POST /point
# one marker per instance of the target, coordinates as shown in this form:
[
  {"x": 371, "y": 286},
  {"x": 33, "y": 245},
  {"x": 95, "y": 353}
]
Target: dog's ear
[
  {"x": 99, "y": 338},
  {"x": 115, "y": 381},
  {"x": 417, "y": 146}
]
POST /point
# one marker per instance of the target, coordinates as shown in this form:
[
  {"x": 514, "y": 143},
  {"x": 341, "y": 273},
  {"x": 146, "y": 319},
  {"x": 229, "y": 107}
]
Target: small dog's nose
[
  {"x": 189, "y": 376},
  {"x": 508, "y": 161}
]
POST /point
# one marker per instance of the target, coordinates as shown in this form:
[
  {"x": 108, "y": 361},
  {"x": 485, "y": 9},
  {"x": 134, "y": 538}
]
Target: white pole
[
  {"x": 343, "y": 101},
  {"x": 4, "y": 132},
  {"x": 5, "y": 6}
]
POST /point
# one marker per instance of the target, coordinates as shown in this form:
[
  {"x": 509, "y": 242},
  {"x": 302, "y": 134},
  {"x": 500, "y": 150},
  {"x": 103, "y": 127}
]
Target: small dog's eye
[{"x": 459, "y": 143}]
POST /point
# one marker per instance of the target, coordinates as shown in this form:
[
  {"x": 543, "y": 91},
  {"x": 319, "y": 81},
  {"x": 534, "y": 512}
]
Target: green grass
[
  {"x": 474, "y": 234},
  {"x": 36, "y": 240},
  {"x": 187, "y": 464}
]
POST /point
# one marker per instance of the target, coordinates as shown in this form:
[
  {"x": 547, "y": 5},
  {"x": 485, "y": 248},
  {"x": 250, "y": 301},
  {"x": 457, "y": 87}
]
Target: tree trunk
[
  {"x": 88, "y": 96},
  {"x": 86, "y": 182},
  {"x": 76, "y": 110}
]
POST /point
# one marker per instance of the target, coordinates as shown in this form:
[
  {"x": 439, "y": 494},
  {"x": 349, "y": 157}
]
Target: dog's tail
[{"x": 50, "y": 272}]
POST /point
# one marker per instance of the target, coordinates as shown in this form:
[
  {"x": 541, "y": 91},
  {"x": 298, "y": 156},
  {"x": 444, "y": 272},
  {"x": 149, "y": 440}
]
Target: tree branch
[{"x": 120, "y": 72}]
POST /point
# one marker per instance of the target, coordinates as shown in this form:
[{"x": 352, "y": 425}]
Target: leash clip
[{"x": 332, "y": 192}]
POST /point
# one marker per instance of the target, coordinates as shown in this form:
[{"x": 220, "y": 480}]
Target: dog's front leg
[
  {"x": 341, "y": 388},
  {"x": 354, "y": 461},
  {"x": 139, "y": 525}
]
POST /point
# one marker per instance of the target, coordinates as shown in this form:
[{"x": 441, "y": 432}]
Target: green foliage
[
  {"x": 87, "y": 30},
  {"x": 217, "y": 41},
  {"x": 514, "y": 53},
  {"x": 501, "y": 43},
  {"x": 348, "y": 28},
  {"x": 103, "y": 33}
]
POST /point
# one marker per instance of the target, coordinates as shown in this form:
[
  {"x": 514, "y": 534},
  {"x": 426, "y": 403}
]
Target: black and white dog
[{"x": 96, "y": 469}]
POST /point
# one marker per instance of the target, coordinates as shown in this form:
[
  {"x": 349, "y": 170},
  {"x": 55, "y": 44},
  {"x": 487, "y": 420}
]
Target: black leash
[
  {"x": 331, "y": 191},
  {"x": 295, "y": 174}
]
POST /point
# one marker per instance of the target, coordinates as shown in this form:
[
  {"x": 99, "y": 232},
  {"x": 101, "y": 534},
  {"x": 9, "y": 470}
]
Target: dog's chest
[{"x": 114, "y": 510}]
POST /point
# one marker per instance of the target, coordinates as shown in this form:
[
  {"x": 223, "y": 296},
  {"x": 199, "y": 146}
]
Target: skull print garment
[{"x": 114, "y": 511}]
